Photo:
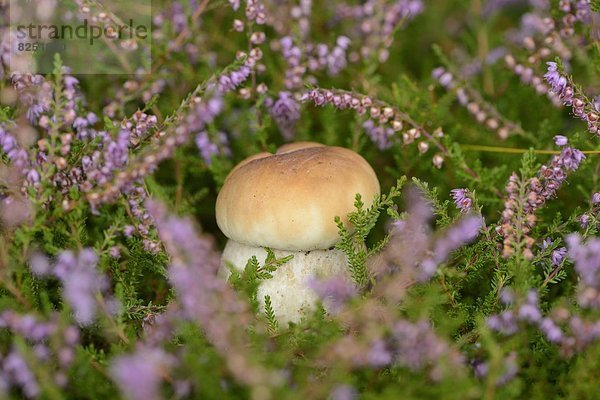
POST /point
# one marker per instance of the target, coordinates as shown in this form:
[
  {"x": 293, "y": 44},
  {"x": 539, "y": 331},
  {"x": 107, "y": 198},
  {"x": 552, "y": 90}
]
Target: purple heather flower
[
  {"x": 141, "y": 123},
  {"x": 65, "y": 263},
  {"x": 71, "y": 82},
  {"x": 81, "y": 282},
  {"x": 343, "y": 42},
  {"x": 529, "y": 311},
  {"x": 335, "y": 291},
  {"x": 203, "y": 113},
  {"x": 225, "y": 84},
  {"x": 204, "y": 297},
  {"x": 446, "y": 80},
  {"x": 437, "y": 72},
  {"x": 546, "y": 243},
  {"x": 39, "y": 264},
  {"x": 411, "y": 235},
  {"x": 379, "y": 134},
  {"x": 71, "y": 335},
  {"x": 507, "y": 296},
  {"x": 474, "y": 67},
  {"x": 416, "y": 345},
  {"x": 180, "y": 236},
  {"x": 92, "y": 118},
  {"x": 178, "y": 17},
  {"x": 376, "y": 23},
  {"x": 511, "y": 368},
  {"x": 114, "y": 252},
  {"x": 14, "y": 210},
  {"x": 206, "y": 147},
  {"x": 34, "y": 92},
  {"x": 229, "y": 82},
  {"x": 379, "y": 355},
  {"x": 80, "y": 123},
  {"x": 27, "y": 325},
  {"x": 571, "y": 158},
  {"x": 480, "y": 368},
  {"x": 42, "y": 352},
  {"x": 139, "y": 374},
  {"x": 411, "y": 243},
  {"x": 116, "y": 154},
  {"x": 462, "y": 199},
  {"x": 554, "y": 79},
  {"x": 492, "y": 6},
  {"x": 17, "y": 372},
  {"x": 558, "y": 255},
  {"x": 82, "y": 285},
  {"x": 32, "y": 176},
  {"x": 584, "y": 221},
  {"x": 504, "y": 323},
  {"x": 10, "y": 146},
  {"x": 400, "y": 11},
  {"x": 336, "y": 60},
  {"x": 285, "y": 111},
  {"x": 569, "y": 95},
  {"x": 87, "y": 163},
  {"x": 596, "y": 198},
  {"x": 413, "y": 7},
  {"x": 560, "y": 140},
  {"x": 457, "y": 235},
  {"x": 551, "y": 330},
  {"x": 66, "y": 356},
  {"x": 584, "y": 332},
  {"x": 256, "y": 11},
  {"x": 211, "y": 108},
  {"x": 128, "y": 230},
  {"x": 551, "y": 177},
  {"x": 586, "y": 257},
  {"x": 343, "y": 392}
]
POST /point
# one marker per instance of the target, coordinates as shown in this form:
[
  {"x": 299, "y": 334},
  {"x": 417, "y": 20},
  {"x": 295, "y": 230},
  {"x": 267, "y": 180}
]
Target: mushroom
[{"x": 288, "y": 202}]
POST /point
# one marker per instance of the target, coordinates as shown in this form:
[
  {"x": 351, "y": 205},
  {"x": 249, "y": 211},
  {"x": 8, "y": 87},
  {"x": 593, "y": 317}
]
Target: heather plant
[{"x": 475, "y": 274}]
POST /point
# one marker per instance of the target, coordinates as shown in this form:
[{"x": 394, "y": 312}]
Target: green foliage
[
  {"x": 353, "y": 244},
  {"x": 248, "y": 281},
  {"x": 431, "y": 195},
  {"x": 272, "y": 322}
]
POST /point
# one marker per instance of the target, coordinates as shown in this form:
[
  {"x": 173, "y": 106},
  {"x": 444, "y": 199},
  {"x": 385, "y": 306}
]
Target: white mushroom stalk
[{"x": 287, "y": 202}]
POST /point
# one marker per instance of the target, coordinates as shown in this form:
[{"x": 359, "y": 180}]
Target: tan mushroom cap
[{"x": 288, "y": 200}]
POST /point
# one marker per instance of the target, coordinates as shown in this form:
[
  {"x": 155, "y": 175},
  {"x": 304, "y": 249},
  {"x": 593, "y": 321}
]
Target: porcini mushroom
[{"x": 287, "y": 202}]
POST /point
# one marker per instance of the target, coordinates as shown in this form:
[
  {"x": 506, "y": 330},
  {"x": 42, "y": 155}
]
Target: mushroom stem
[{"x": 291, "y": 297}]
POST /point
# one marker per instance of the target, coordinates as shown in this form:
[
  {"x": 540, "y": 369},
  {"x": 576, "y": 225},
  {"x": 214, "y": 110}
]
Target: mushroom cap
[{"x": 288, "y": 200}]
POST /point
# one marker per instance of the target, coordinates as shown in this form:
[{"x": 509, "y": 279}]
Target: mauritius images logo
[{"x": 108, "y": 37}]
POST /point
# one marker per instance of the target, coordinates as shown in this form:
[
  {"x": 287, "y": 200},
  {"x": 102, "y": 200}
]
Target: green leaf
[
  {"x": 364, "y": 220},
  {"x": 272, "y": 323}
]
